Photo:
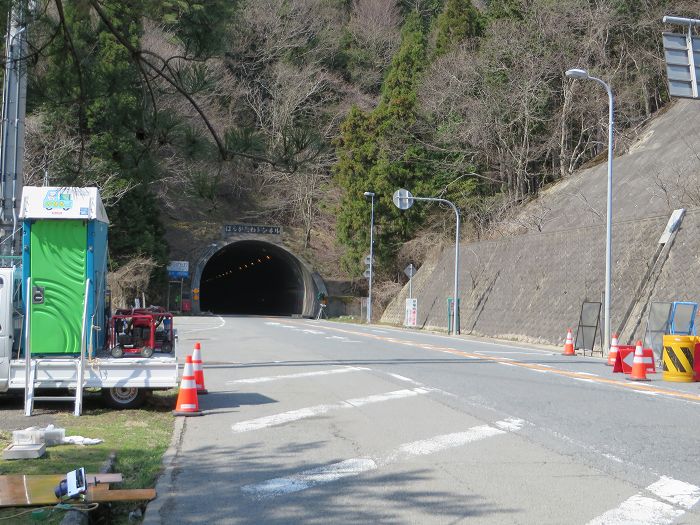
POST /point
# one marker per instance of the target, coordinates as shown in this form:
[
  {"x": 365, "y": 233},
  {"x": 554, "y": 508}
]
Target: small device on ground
[{"x": 73, "y": 486}]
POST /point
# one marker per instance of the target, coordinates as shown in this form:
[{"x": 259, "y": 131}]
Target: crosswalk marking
[
  {"x": 304, "y": 413},
  {"x": 677, "y": 492},
  {"x": 639, "y": 510},
  {"x": 642, "y": 510},
  {"x": 356, "y": 466},
  {"x": 267, "y": 379}
]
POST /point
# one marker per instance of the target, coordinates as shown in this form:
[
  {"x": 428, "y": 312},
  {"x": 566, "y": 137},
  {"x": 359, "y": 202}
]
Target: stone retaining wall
[{"x": 530, "y": 287}]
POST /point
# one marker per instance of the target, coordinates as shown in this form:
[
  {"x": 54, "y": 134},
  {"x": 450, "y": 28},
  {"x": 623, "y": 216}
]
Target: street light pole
[
  {"x": 403, "y": 200},
  {"x": 371, "y": 257},
  {"x": 582, "y": 74}
]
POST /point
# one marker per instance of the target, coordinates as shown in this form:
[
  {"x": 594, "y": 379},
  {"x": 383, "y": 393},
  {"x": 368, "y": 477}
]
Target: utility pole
[{"x": 14, "y": 102}]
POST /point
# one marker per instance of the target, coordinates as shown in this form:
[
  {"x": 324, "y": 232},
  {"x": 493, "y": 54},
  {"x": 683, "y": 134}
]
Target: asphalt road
[{"x": 319, "y": 422}]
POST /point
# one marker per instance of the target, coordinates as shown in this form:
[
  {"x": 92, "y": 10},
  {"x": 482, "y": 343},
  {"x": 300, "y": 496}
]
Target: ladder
[{"x": 32, "y": 366}]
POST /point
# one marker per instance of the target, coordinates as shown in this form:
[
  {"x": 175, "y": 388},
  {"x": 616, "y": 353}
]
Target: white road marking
[
  {"x": 356, "y": 466},
  {"x": 403, "y": 378},
  {"x": 677, "y": 492},
  {"x": 500, "y": 352},
  {"x": 222, "y": 322},
  {"x": 444, "y": 442},
  {"x": 644, "y": 392},
  {"x": 267, "y": 379},
  {"x": 389, "y": 396},
  {"x": 315, "y": 332},
  {"x": 379, "y": 331},
  {"x": 272, "y": 323},
  {"x": 309, "y": 478},
  {"x": 641, "y": 510},
  {"x": 304, "y": 413},
  {"x": 510, "y": 425}
]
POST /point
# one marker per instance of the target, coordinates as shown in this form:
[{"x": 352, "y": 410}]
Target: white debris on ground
[{"x": 50, "y": 436}]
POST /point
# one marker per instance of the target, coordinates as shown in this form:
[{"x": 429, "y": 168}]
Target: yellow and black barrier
[{"x": 680, "y": 358}]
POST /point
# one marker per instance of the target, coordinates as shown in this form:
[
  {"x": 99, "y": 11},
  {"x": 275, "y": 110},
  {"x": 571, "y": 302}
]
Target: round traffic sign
[{"x": 403, "y": 199}]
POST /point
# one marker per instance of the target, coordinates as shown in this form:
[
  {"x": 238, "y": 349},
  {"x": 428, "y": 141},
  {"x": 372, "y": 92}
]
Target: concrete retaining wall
[{"x": 530, "y": 286}]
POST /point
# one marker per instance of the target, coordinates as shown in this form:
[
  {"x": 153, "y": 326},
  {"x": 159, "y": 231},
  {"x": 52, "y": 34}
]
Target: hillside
[
  {"x": 529, "y": 284},
  {"x": 193, "y": 115}
]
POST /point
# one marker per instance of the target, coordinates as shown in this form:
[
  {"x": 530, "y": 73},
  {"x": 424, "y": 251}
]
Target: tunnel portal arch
[{"x": 254, "y": 277}]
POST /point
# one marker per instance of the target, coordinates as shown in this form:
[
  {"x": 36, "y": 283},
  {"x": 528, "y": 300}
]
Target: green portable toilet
[{"x": 64, "y": 245}]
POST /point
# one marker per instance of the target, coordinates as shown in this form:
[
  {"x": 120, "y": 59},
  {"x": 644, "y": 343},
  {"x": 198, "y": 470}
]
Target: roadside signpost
[
  {"x": 410, "y": 317},
  {"x": 403, "y": 200},
  {"x": 410, "y": 271}
]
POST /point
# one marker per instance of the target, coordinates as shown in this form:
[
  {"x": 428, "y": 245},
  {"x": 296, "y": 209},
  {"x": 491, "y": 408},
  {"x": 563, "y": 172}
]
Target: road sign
[
  {"x": 403, "y": 199},
  {"x": 681, "y": 53},
  {"x": 410, "y": 271},
  {"x": 680, "y": 67},
  {"x": 368, "y": 259},
  {"x": 178, "y": 269}
]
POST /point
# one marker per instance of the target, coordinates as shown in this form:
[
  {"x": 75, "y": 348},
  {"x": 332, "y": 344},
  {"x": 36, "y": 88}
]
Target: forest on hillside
[{"x": 287, "y": 111}]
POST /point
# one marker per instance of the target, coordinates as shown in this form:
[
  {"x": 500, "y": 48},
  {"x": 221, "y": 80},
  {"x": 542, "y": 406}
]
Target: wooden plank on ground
[
  {"x": 103, "y": 496},
  {"x": 17, "y": 490}
]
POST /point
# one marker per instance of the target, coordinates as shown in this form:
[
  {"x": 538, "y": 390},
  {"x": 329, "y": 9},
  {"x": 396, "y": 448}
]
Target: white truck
[
  {"x": 124, "y": 382},
  {"x": 55, "y": 313}
]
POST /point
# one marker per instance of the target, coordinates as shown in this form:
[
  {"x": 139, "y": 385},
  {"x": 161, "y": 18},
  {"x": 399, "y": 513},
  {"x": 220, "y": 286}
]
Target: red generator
[{"x": 141, "y": 331}]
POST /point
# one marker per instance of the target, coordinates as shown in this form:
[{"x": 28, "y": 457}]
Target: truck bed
[{"x": 159, "y": 371}]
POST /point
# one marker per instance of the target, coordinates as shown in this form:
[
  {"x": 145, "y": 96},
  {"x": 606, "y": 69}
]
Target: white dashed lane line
[
  {"x": 356, "y": 466},
  {"x": 267, "y": 379}
]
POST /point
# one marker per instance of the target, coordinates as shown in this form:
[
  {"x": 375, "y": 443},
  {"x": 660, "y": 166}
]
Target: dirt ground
[{"x": 12, "y": 414}]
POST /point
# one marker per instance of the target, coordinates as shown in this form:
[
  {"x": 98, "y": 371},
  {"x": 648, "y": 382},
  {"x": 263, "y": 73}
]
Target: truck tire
[
  {"x": 146, "y": 351},
  {"x": 120, "y": 397}
]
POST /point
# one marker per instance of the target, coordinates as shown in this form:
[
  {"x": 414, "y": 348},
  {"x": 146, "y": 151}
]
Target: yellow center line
[{"x": 533, "y": 366}]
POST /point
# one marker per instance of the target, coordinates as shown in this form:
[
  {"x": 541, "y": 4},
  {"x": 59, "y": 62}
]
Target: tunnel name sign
[{"x": 253, "y": 228}]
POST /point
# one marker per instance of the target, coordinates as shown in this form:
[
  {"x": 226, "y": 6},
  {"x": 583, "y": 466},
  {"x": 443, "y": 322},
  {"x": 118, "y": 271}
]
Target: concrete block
[{"x": 24, "y": 451}]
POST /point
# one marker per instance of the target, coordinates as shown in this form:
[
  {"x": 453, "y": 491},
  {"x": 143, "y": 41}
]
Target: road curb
[{"x": 164, "y": 485}]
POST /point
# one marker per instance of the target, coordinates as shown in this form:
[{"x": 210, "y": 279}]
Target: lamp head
[
  {"x": 580, "y": 74},
  {"x": 369, "y": 194}
]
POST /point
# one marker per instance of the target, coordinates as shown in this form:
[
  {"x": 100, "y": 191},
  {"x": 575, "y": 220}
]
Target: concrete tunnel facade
[{"x": 255, "y": 277}]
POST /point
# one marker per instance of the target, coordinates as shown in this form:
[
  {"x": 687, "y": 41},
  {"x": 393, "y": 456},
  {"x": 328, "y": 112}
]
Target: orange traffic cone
[
  {"x": 639, "y": 367},
  {"x": 612, "y": 356},
  {"x": 198, "y": 371},
  {"x": 569, "y": 345},
  {"x": 187, "y": 404}
]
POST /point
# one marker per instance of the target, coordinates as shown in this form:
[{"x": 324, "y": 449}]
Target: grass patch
[
  {"x": 139, "y": 438},
  {"x": 347, "y": 319}
]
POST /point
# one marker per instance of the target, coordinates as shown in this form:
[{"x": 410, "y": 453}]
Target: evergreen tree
[
  {"x": 458, "y": 21},
  {"x": 376, "y": 153},
  {"x": 505, "y": 9},
  {"x": 91, "y": 83}
]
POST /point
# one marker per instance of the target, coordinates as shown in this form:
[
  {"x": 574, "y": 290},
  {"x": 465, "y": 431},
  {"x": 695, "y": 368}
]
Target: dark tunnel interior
[{"x": 253, "y": 278}]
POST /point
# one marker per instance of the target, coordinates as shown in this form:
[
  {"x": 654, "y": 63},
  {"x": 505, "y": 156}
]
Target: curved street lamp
[
  {"x": 582, "y": 74},
  {"x": 403, "y": 200}
]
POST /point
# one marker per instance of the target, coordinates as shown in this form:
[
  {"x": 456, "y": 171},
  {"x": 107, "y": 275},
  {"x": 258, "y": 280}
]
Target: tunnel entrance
[{"x": 252, "y": 277}]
